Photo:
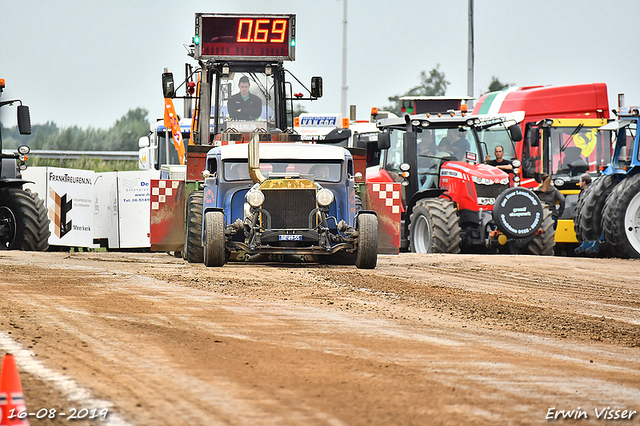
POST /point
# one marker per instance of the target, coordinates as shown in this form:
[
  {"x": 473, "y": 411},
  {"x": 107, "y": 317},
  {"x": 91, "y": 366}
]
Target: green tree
[
  {"x": 124, "y": 134},
  {"x": 496, "y": 85},
  {"x": 433, "y": 84}
]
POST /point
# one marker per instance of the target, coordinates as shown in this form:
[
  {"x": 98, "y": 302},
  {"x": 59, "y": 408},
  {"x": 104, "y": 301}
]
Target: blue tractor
[{"x": 607, "y": 218}]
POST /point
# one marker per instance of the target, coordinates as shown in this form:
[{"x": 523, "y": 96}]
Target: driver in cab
[
  {"x": 499, "y": 162},
  {"x": 244, "y": 105}
]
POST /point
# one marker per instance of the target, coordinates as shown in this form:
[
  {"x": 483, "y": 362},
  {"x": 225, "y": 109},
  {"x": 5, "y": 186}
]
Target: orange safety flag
[{"x": 171, "y": 122}]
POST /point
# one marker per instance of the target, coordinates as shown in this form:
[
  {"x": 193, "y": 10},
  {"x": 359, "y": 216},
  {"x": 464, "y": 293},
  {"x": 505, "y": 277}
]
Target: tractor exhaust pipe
[{"x": 254, "y": 159}]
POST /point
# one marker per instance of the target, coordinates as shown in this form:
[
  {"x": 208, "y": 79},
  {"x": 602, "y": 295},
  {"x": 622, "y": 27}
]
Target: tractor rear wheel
[
  {"x": 367, "y": 251},
  {"x": 577, "y": 212},
  {"x": 543, "y": 244},
  {"x": 434, "y": 227},
  {"x": 621, "y": 219},
  {"x": 590, "y": 214},
  {"x": 214, "y": 242},
  {"x": 193, "y": 251},
  {"x": 24, "y": 224}
]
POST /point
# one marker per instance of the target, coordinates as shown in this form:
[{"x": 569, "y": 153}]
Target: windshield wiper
[{"x": 570, "y": 138}]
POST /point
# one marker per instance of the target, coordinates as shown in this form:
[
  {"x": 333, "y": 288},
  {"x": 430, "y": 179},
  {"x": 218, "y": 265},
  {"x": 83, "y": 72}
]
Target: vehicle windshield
[
  {"x": 578, "y": 150},
  {"x": 433, "y": 146},
  {"x": 624, "y": 145},
  {"x": 235, "y": 170},
  {"x": 165, "y": 144},
  {"x": 494, "y": 136},
  {"x": 246, "y": 102}
]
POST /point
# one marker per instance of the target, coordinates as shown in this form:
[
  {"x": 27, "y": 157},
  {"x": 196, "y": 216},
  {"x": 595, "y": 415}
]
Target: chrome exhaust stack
[{"x": 254, "y": 159}]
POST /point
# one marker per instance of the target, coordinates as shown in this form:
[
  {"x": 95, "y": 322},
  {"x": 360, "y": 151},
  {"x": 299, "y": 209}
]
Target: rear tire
[
  {"x": 367, "y": 251},
  {"x": 24, "y": 224},
  {"x": 544, "y": 244},
  {"x": 434, "y": 227},
  {"x": 214, "y": 242},
  {"x": 193, "y": 251},
  {"x": 621, "y": 219},
  {"x": 590, "y": 213},
  {"x": 577, "y": 212}
]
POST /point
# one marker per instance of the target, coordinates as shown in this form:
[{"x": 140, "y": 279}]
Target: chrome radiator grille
[{"x": 289, "y": 208}]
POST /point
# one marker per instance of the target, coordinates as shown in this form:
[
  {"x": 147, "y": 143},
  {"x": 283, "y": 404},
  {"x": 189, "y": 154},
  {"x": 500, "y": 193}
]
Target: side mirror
[
  {"x": 144, "y": 142},
  {"x": 384, "y": 141},
  {"x": 516, "y": 132},
  {"x": 24, "y": 120},
  {"x": 534, "y": 137},
  {"x": 168, "y": 89},
  {"x": 316, "y": 87}
]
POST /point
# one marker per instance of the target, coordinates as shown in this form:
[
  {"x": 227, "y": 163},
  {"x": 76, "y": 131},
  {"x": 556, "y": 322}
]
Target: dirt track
[{"x": 422, "y": 339}]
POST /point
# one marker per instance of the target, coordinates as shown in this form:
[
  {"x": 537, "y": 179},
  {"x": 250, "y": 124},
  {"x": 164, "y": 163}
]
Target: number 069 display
[{"x": 246, "y": 37}]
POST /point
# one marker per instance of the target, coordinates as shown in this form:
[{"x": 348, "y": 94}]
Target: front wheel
[
  {"x": 24, "y": 224},
  {"x": 434, "y": 227},
  {"x": 367, "y": 251},
  {"x": 214, "y": 242}
]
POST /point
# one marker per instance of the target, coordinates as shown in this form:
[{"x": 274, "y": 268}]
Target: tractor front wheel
[
  {"x": 434, "y": 227},
  {"x": 214, "y": 242},
  {"x": 367, "y": 251},
  {"x": 24, "y": 224}
]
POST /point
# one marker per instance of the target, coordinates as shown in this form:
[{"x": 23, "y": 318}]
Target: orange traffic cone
[{"x": 11, "y": 397}]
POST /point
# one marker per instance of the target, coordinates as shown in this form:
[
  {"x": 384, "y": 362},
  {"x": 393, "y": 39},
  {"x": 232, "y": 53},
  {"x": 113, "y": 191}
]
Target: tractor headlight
[
  {"x": 24, "y": 149},
  {"x": 324, "y": 197},
  {"x": 255, "y": 198}
]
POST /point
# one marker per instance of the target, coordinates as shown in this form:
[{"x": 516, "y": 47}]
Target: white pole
[
  {"x": 470, "y": 58},
  {"x": 343, "y": 100}
]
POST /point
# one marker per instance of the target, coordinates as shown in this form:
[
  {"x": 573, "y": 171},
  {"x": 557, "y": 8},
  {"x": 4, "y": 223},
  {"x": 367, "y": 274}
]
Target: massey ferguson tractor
[
  {"x": 24, "y": 224},
  {"x": 451, "y": 201},
  {"x": 252, "y": 189}
]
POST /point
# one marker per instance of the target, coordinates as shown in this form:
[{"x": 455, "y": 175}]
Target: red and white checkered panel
[
  {"x": 167, "y": 214},
  {"x": 390, "y": 193},
  {"x": 163, "y": 191},
  {"x": 385, "y": 200}
]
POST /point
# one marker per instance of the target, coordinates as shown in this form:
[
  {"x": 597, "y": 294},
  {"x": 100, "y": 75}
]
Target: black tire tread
[
  {"x": 445, "y": 223},
  {"x": 32, "y": 227},
  {"x": 544, "y": 244},
  {"x": 367, "y": 251},
  {"x": 193, "y": 250},
  {"x": 214, "y": 248},
  {"x": 592, "y": 207}
]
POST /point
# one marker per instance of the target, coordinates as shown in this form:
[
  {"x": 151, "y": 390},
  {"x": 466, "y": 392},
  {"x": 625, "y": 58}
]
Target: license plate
[{"x": 290, "y": 237}]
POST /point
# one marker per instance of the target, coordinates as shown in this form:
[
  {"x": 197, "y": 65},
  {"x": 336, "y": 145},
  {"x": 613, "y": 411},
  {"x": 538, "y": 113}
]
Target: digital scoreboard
[{"x": 245, "y": 37}]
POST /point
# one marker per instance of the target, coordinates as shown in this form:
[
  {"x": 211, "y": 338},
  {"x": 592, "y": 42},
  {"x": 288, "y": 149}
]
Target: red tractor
[{"x": 451, "y": 200}]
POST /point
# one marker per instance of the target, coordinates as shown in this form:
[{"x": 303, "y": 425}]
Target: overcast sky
[{"x": 85, "y": 63}]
